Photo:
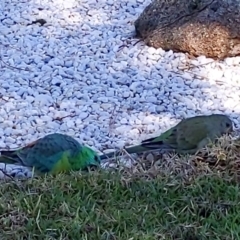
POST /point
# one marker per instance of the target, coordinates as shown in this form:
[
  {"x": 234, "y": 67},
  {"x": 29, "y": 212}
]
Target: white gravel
[
  {"x": 82, "y": 75},
  {"x": 11, "y": 171}
]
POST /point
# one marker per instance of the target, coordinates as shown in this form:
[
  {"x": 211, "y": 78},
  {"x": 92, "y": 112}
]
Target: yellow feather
[{"x": 62, "y": 165}]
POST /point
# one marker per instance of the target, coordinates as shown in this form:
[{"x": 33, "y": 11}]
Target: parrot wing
[{"x": 190, "y": 134}]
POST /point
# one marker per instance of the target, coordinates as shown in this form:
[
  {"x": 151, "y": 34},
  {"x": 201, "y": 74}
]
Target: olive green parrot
[
  {"x": 53, "y": 153},
  {"x": 188, "y": 136}
]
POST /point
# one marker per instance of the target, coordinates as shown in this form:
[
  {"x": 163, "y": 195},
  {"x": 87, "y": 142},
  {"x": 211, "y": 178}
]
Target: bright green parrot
[
  {"x": 188, "y": 136},
  {"x": 53, "y": 153}
]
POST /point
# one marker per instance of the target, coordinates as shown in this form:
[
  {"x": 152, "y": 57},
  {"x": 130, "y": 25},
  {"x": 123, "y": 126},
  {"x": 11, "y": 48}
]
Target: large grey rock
[{"x": 199, "y": 27}]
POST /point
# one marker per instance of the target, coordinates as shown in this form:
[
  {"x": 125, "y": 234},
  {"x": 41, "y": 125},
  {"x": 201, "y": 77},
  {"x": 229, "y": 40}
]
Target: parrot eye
[{"x": 228, "y": 125}]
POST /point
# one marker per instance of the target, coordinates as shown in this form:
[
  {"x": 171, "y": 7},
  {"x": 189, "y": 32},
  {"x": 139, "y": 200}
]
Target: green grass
[{"x": 101, "y": 205}]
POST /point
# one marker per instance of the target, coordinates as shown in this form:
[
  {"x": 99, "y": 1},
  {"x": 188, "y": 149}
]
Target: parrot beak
[
  {"x": 230, "y": 130},
  {"x": 231, "y": 127}
]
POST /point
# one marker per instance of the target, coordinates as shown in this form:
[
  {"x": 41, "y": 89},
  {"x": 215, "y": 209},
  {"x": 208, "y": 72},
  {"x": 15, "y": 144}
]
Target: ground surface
[{"x": 192, "y": 197}]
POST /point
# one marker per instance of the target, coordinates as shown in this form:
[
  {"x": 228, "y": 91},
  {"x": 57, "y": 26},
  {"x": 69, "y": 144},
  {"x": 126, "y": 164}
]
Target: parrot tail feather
[
  {"x": 6, "y": 159},
  {"x": 148, "y": 140},
  {"x": 8, "y": 153},
  {"x": 130, "y": 150},
  {"x": 108, "y": 155},
  {"x": 150, "y": 144},
  {"x": 9, "y": 157},
  {"x": 134, "y": 149}
]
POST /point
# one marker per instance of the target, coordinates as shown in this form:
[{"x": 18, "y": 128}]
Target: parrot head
[
  {"x": 91, "y": 158},
  {"x": 226, "y": 125}
]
